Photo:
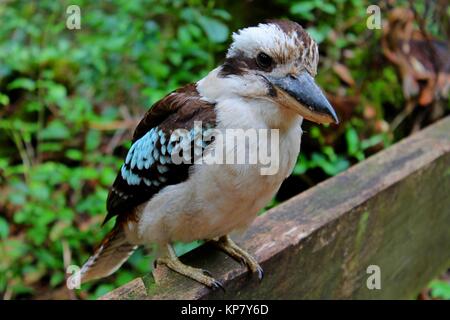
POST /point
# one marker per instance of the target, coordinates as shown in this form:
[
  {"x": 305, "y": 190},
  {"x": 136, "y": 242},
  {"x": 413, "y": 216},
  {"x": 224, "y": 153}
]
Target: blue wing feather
[{"x": 148, "y": 166}]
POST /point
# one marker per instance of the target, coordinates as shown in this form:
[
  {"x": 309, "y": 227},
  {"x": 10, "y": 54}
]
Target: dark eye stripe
[
  {"x": 264, "y": 61},
  {"x": 239, "y": 64}
]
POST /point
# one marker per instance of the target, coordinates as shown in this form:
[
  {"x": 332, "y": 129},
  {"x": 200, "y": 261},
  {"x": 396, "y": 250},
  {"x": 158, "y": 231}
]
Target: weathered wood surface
[{"x": 392, "y": 210}]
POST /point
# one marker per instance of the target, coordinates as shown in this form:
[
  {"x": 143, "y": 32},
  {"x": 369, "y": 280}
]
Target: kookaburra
[{"x": 265, "y": 82}]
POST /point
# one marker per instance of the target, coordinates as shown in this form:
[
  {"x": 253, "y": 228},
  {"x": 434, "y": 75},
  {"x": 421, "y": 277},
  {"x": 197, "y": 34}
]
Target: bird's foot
[
  {"x": 199, "y": 275},
  {"x": 233, "y": 250}
]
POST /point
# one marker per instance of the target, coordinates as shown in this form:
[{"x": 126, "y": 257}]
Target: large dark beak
[{"x": 302, "y": 95}]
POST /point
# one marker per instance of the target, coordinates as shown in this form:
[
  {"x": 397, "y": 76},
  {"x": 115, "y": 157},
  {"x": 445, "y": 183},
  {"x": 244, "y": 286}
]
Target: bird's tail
[{"x": 112, "y": 252}]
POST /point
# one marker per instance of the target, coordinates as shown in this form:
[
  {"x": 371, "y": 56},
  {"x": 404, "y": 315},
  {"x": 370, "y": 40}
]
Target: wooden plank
[
  {"x": 392, "y": 211},
  {"x": 129, "y": 291}
]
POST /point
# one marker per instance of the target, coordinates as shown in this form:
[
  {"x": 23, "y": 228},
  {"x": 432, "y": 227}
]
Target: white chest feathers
[{"x": 222, "y": 197}]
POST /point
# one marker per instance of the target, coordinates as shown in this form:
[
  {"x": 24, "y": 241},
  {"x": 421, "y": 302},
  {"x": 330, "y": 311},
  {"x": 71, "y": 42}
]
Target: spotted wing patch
[
  {"x": 149, "y": 165},
  {"x": 157, "y": 159},
  {"x": 148, "y": 159}
]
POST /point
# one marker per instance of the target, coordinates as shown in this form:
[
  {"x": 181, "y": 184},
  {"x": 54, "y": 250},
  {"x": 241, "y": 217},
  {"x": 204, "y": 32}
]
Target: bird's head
[{"x": 277, "y": 61}]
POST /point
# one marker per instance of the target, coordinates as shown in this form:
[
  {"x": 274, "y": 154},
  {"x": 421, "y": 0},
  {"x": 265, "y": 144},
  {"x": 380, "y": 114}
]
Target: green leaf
[
  {"x": 102, "y": 290},
  {"x": 74, "y": 154},
  {"x": 328, "y": 8},
  {"x": 302, "y": 8},
  {"x": 215, "y": 30},
  {"x": 225, "y": 15},
  {"x": 55, "y": 130},
  {"x": 49, "y": 259},
  {"x": 189, "y": 14},
  {"x": 107, "y": 176},
  {"x": 184, "y": 35},
  {"x": 56, "y": 278},
  {"x": 56, "y": 93},
  {"x": 93, "y": 139},
  {"x": 440, "y": 289},
  {"x": 39, "y": 191},
  {"x": 372, "y": 141},
  {"x": 330, "y": 167},
  {"x": 352, "y": 139},
  {"x": 301, "y": 166},
  {"x": 182, "y": 248},
  {"x": 15, "y": 248},
  {"x": 141, "y": 261},
  {"x": 124, "y": 277},
  {"x": 18, "y": 198},
  {"x": 50, "y": 146},
  {"x": 4, "y": 99},
  {"x": 38, "y": 235},
  {"x": 34, "y": 106},
  {"x": 4, "y": 228},
  {"x": 22, "y": 83},
  {"x": 319, "y": 34}
]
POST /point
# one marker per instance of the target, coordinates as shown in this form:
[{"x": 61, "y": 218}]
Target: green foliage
[
  {"x": 440, "y": 289},
  {"x": 58, "y": 89},
  {"x": 340, "y": 28},
  {"x": 68, "y": 100}
]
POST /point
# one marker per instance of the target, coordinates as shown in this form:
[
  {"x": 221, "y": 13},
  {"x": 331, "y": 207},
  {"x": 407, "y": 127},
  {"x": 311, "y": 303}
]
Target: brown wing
[{"x": 148, "y": 167}]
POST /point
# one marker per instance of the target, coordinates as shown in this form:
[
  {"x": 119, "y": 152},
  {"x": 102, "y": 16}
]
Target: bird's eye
[{"x": 264, "y": 61}]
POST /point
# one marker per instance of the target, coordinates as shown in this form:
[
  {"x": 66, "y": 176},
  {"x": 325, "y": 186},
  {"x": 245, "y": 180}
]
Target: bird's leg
[
  {"x": 233, "y": 250},
  {"x": 199, "y": 275}
]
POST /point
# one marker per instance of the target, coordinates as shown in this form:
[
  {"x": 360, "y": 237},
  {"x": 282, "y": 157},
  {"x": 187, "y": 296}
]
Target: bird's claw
[
  {"x": 260, "y": 272},
  {"x": 237, "y": 253},
  {"x": 242, "y": 261},
  {"x": 216, "y": 284},
  {"x": 206, "y": 272}
]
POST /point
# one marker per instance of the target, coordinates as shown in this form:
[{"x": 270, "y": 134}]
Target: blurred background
[{"x": 70, "y": 99}]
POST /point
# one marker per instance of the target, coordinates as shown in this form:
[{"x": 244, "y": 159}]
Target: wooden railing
[{"x": 384, "y": 222}]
